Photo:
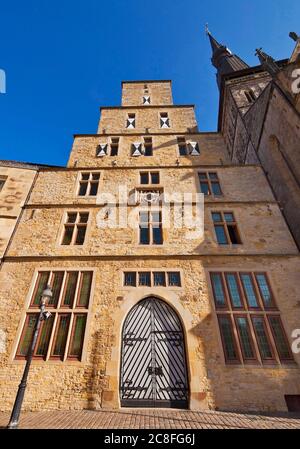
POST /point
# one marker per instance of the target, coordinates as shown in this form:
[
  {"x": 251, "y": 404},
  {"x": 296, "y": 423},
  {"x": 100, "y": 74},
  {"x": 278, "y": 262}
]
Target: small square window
[
  {"x": 83, "y": 217},
  {"x": 71, "y": 217},
  {"x": 216, "y": 216},
  {"x": 145, "y": 278},
  {"x": 174, "y": 279},
  {"x": 228, "y": 217},
  {"x": 154, "y": 177},
  {"x": 159, "y": 279},
  {"x": 130, "y": 279},
  {"x": 144, "y": 178}
]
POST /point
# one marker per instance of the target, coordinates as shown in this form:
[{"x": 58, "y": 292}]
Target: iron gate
[{"x": 153, "y": 365}]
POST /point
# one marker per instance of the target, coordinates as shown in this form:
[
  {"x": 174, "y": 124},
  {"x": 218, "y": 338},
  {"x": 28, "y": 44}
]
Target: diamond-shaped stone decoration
[
  {"x": 194, "y": 148},
  {"x": 164, "y": 122},
  {"x": 130, "y": 123},
  {"x": 102, "y": 150},
  {"x": 137, "y": 149},
  {"x": 146, "y": 99}
]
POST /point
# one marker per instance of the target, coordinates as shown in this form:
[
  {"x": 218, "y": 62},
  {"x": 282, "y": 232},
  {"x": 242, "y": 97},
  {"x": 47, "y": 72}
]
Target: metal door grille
[{"x": 153, "y": 365}]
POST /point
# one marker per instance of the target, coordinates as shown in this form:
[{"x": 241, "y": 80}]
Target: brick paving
[{"x": 152, "y": 419}]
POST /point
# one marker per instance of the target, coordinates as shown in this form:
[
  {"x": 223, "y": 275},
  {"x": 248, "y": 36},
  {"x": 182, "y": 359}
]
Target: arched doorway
[{"x": 153, "y": 360}]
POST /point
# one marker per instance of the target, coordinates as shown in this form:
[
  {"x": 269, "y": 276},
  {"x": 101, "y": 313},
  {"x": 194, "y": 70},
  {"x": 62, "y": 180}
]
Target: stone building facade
[
  {"x": 152, "y": 315},
  {"x": 16, "y": 181}
]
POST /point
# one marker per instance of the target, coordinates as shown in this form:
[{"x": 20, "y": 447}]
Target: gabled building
[{"x": 150, "y": 310}]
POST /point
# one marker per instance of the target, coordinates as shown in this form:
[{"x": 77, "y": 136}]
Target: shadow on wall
[{"x": 98, "y": 380}]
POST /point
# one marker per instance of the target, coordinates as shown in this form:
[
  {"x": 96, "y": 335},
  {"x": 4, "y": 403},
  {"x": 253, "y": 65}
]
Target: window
[
  {"x": 226, "y": 228},
  {"x": 88, "y": 184},
  {"x": 2, "y": 182},
  {"x": 164, "y": 120},
  {"x": 130, "y": 122},
  {"x": 174, "y": 279},
  {"x": 250, "y": 95},
  {"x": 61, "y": 336},
  {"x": 114, "y": 146},
  {"x": 152, "y": 279},
  {"x": 250, "y": 332},
  {"x": 265, "y": 291},
  {"x": 249, "y": 290},
  {"x": 228, "y": 340},
  {"x": 138, "y": 150},
  {"x": 150, "y": 228},
  {"x": 209, "y": 183},
  {"x": 130, "y": 279},
  {"x": 281, "y": 342},
  {"x": 145, "y": 279},
  {"x": 159, "y": 279},
  {"x": 146, "y": 100},
  {"x": 148, "y": 148},
  {"x": 151, "y": 177},
  {"x": 101, "y": 150},
  {"x": 182, "y": 146},
  {"x": 75, "y": 228}
]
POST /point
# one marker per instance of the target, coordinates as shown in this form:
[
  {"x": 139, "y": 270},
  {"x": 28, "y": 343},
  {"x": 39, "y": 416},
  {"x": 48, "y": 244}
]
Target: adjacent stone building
[
  {"x": 16, "y": 180},
  {"x": 259, "y": 117},
  {"x": 152, "y": 315}
]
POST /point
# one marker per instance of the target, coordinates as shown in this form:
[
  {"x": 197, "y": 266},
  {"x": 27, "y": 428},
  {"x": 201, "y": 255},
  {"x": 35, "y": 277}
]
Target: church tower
[{"x": 259, "y": 119}]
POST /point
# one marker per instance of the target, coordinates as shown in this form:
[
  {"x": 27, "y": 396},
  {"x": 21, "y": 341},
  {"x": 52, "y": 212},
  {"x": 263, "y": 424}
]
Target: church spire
[
  {"x": 267, "y": 62},
  {"x": 222, "y": 58}
]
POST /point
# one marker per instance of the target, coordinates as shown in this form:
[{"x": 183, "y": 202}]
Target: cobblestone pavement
[{"x": 152, "y": 419}]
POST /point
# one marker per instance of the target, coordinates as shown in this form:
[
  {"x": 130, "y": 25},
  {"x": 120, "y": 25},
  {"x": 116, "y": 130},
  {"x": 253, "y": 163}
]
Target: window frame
[
  {"x": 226, "y": 304},
  {"x": 114, "y": 145},
  {"x": 228, "y": 361},
  {"x": 31, "y": 310},
  {"x": 224, "y": 223},
  {"x": 263, "y": 313},
  {"x": 284, "y": 333},
  {"x": 246, "y": 360},
  {"x": 75, "y": 226},
  {"x": 260, "y": 306},
  {"x": 240, "y": 290},
  {"x": 89, "y": 183},
  {"x": 152, "y": 271},
  {"x": 147, "y": 145},
  {"x": 181, "y": 142},
  {"x": 209, "y": 183},
  {"x": 274, "y": 307},
  {"x": 151, "y": 227},
  {"x": 270, "y": 360},
  {"x": 149, "y": 174}
]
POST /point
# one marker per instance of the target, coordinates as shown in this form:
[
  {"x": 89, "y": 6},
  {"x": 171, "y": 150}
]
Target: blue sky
[{"x": 63, "y": 59}]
